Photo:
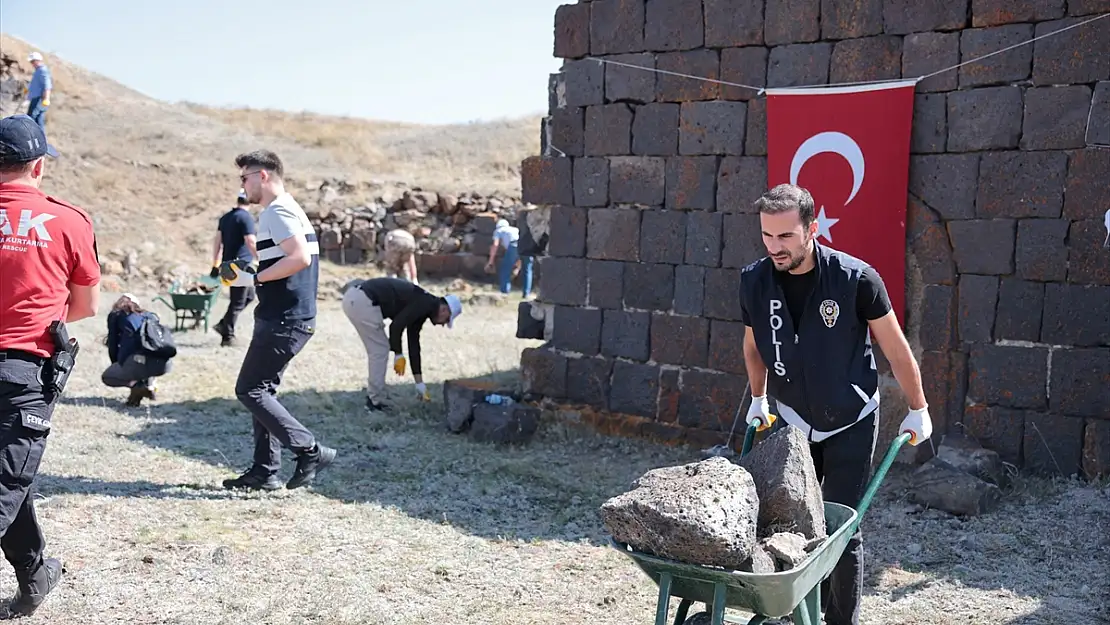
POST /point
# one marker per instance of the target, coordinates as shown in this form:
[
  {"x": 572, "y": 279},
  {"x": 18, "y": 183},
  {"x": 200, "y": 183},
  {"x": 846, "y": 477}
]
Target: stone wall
[{"x": 651, "y": 177}]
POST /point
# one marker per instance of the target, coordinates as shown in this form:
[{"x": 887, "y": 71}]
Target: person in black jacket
[
  {"x": 369, "y": 303},
  {"x": 131, "y": 367},
  {"x": 810, "y": 312}
]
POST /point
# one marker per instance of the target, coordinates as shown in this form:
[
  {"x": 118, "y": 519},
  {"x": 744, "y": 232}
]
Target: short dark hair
[
  {"x": 16, "y": 169},
  {"x": 263, "y": 159},
  {"x": 242, "y": 201},
  {"x": 787, "y": 197}
]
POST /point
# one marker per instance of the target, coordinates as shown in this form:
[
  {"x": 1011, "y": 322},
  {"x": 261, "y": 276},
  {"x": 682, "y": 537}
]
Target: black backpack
[{"x": 155, "y": 338}]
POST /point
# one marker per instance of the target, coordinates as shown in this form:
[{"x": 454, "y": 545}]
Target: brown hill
[{"x": 156, "y": 175}]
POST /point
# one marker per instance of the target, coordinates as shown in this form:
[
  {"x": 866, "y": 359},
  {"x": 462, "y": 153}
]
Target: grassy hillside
[{"x": 156, "y": 175}]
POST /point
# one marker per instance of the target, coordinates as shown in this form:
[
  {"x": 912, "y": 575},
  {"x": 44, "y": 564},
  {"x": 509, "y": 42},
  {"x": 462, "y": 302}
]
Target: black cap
[{"x": 22, "y": 140}]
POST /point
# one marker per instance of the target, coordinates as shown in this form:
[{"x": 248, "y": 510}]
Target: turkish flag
[{"x": 850, "y": 148}]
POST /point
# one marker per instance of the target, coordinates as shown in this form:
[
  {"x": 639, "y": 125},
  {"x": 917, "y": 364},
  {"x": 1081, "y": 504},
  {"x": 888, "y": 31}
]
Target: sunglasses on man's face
[{"x": 243, "y": 178}]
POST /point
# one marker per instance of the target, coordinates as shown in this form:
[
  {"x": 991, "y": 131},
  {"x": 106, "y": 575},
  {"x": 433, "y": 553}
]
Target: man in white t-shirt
[{"x": 284, "y": 321}]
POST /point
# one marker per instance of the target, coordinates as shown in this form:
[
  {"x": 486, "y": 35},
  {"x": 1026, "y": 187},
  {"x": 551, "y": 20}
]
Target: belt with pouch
[{"x": 16, "y": 354}]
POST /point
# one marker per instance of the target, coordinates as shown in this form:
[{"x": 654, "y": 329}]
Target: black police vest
[{"x": 823, "y": 369}]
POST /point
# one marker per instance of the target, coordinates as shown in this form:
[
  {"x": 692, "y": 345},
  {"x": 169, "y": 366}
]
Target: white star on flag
[{"x": 824, "y": 225}]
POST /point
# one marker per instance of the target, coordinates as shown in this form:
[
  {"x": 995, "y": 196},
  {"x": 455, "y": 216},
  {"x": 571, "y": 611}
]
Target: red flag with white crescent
[{"x": 850, "y": 148}]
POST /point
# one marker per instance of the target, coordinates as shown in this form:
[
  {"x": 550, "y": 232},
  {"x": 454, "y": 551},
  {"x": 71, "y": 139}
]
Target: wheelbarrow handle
[
  {"x": 876, "y": 479},
  {"x": 159, "y": 298},
  {"x": 749, "y": 435}
]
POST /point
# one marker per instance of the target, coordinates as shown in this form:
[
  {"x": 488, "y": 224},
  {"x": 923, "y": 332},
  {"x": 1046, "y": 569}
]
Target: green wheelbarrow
[
  {"x": 191, "y": 307},
  {"x": 795, "y": 593}
]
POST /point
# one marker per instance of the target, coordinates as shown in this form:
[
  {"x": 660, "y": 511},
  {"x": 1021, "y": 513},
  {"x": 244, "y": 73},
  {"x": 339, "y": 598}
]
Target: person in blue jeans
[
  {"x": 38, "y": 90},
  {"x": 508, "y": 237}
]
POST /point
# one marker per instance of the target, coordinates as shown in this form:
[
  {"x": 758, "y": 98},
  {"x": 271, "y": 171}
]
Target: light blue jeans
[{"x": 505, "y": 271}]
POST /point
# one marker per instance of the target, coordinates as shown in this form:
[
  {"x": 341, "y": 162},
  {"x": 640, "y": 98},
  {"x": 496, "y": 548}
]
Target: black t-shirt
[
  {"x": 234, "y": 227},
  {"x": 872, "y": 299}
]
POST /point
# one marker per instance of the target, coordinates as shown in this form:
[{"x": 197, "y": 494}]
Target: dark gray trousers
[
  {"x": 137, "y": 368},
  {"x": 273, "y": 345}
]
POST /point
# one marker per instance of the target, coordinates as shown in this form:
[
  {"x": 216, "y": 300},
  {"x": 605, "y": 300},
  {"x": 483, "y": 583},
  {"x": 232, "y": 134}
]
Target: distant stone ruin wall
[
  {"x": 651, "y": 178},
  {"x": 453, "y": 233}
]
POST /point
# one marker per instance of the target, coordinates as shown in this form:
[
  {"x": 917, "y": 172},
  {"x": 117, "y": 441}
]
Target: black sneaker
[
  {"x": 138, "y": 392},
  {"x": 309, "y": 464},
  {"x": 33, "y": 589},
  {"x": 254, "y": 480},
  {"x": 372, "y": 405}
]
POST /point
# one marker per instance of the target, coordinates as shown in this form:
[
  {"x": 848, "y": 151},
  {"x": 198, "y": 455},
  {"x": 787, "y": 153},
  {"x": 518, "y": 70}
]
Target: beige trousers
[{"x": 367, "y": 319}]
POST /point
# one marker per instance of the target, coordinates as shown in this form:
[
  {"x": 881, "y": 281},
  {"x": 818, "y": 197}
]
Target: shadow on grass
[{"x": 407, "y": 460}]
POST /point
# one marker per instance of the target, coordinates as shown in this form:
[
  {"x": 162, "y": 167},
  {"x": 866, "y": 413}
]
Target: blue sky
[{"x": 429, "y": 61}]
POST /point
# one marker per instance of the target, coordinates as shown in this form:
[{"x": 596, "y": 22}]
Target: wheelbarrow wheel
[{"x": 701, "y": 618}]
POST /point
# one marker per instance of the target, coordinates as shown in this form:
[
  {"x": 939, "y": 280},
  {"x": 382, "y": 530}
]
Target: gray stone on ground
[
  {"x": 789, "y": 493},
  {"x": 938, "y": 484},
  {"x": 459, "y": 400},
  {"x": 967, "y": 455},
  {"x": 787, "y": 548},
  {"x": 700, "y": 513},
  {"x": 505, "y": 424}
]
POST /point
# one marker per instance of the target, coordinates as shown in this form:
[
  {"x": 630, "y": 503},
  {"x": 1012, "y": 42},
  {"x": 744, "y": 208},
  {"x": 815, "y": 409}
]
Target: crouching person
[{"x": 132, "y": 366}]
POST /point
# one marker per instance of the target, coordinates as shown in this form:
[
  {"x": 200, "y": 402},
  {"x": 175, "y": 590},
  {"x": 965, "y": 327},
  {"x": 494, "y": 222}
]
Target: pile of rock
[
  {"x": 440, "y": 222},
  {"x": 761, "y": 516},
  {"x": 962, "y": 479}
]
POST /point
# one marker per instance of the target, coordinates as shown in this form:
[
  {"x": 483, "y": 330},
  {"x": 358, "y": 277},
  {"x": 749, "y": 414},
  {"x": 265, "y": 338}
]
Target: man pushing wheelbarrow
[{"x": 810, "y": 312}]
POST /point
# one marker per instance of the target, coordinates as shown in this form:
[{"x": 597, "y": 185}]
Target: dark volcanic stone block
[
  {"x": 997, "y": 12},
  {"x": 591, "y": 181},
  {"x": 648, "y": 286},
  {"x": 606, "y": 280},
  {"x": 689, "y": 290},
  {"x": 722, "y": 294},
  {"x": 1020, "y": 304},
  {"x": 637, "y": 180},
  {"x": 1076, "y": 315},
  {"x": 609, "y": 130},
  {"x": 1053, "y": 444},
  {"x": 635, "y": 389},
  {"x": 849, "y": 19},
  {"x": 726, "y": 347},
  {"x": 743, "y": 242},
  {"x": 563, "y": 281},
  {"x": 755, "y": 139},
  {"x": 1041, "y": 254},
  {"x": 984, "y": 119},
  {"x": 544, "y": 372},
  {"x": 616, "y": 26},
  {"x": 938, "y": 317},
  {"x": 925, "y": 53},
  {"x": 740, "y": 182},
  {"x": 712, "y": 128},
  {"x": 869, "y": 58},
  {"x": 1056, "y": 117},
  {"x": 1088, "y": 171},
  {"x": 703, "y": 239},
  {"x": 983, "y": 246},
  {"x": 1014, "y": 377},
  {"x": 613, "y": 234},
  {"x": 709, "y": 399},
  {"x": 572, "y": 31},
  {"x": 585, "y": 83},
  {"x": 567, "y": 231},
  {"x": 588, "y": 381},
  {"x": 743, "y": 66},
  {"x": 625, "y": 334},
  {"x": 928, "y": 240},
  {"x": 673, "y": 25},
  {"x": 978, "y": 298},
  {"x": 1098, "y": 129},
  {"x": 679, "y": 340},
  {"x": 791, "y": 21},
  {"x": 1000, "y": 69},
  {"x": 568, "y": 130},
  {"x": 663, "y": 236},
  {"x": 947, "y": 183},
  {"x": 731, "y": 23},
  {"x": 655, "y": 129},
  {"x": 799, "y": 64},
  {"x": 577, "y": 330},
  {"x": 901, "y": 17},
  {"x": 1072, "y": 57},
  {"x": 692, "y": 182},
  {"x": 1081, "y": 382},
  {"x": 546, "y": 180},
  {"x": 930, "y": 123},
  {"x": 629, "y": 84},
  {"x": 702, "y": 63},
  {"x": 1021, "y": 184},
  {"x": 1088, "y": 261}
]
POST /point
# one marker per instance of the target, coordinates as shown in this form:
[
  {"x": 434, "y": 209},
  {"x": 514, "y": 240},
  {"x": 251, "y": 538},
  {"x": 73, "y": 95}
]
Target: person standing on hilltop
[
  {"x": 400, "y": 255},
  {"x": 39, "y": 90},
  {"x": 49, "y": 276},
  {"x": 285, "y": 319},
  {"x": 235, "y": 239}
]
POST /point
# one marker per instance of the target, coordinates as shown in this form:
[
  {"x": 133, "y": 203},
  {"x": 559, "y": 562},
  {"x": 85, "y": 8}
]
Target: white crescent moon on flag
[{"x": 837, "y": 143}]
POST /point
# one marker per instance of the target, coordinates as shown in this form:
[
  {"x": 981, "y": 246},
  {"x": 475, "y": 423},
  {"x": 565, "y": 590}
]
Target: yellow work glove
[
  {"x": 45, "y": 103},
  {"x": 422, "y": 392},
  {"x": 237, "y": 273},
  {"x": 399, "y": 364}
]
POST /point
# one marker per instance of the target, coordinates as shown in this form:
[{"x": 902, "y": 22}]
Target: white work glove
[
  {"x": 918, "y": 424},
  {"x": 760, "y": 410},
  {"x": 422, "y": 391}
]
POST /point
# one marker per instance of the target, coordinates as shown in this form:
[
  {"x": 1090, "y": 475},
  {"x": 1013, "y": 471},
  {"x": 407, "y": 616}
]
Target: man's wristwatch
[{"x": 257, "y": 282}]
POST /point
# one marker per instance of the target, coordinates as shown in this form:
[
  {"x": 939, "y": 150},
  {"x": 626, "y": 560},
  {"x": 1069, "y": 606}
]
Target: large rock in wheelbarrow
[
  {"x": 789, "y": 494},
  {"x": 702, "y": 513}
]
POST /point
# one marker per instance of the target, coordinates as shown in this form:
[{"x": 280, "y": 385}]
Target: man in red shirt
[{"x": 48, "y": 272}]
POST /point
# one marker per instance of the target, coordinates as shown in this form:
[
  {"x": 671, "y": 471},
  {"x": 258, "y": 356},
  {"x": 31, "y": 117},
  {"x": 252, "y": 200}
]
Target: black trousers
[
  {"x": 241, "y": 297},
  {"x": 843, "y": 464},
  {"x": 25, "y": 413},
  {"x": 273, "y": 345}
]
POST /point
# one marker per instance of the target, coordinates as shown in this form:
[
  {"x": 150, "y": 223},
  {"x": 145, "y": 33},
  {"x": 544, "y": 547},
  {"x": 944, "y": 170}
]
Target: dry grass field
[{"x": 416, "y": 525}]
